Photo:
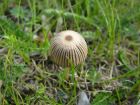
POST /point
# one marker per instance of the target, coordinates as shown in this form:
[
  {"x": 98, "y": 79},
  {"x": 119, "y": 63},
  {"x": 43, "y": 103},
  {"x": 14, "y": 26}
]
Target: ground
[{"x": 109, "y": 76}]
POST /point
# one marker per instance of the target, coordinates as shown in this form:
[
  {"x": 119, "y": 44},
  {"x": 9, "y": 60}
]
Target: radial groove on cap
[{"x": 67, "y": 48}]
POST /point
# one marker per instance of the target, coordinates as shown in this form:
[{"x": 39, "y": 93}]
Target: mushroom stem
[
  {"x": 67, "y": 73},
  {"x": 70, "y": 69},
  {"x": 81, "y": 67}
]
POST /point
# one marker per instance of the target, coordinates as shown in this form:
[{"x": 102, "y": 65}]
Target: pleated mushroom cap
[{"x": 67, "y": 48}]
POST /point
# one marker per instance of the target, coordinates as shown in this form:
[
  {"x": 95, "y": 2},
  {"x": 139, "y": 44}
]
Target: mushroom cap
[{"x": 68, "y": 48}]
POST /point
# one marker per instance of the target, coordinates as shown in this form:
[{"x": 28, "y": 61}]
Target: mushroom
[{"x": 68, "y": 48}]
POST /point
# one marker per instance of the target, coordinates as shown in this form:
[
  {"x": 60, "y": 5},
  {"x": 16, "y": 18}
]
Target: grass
[{"x": 111, "y": 74}]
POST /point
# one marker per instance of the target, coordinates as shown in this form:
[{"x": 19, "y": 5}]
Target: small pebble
[{"x": 83, "y": 99}]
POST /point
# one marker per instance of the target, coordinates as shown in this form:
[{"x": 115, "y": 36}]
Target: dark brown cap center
[{"x": 68, "y": 38}]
